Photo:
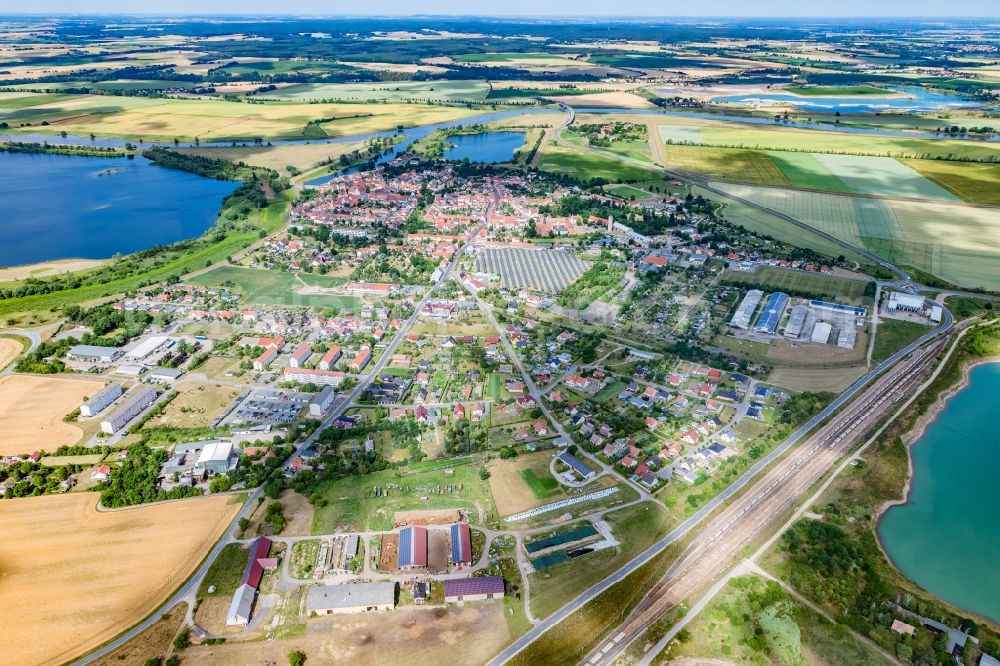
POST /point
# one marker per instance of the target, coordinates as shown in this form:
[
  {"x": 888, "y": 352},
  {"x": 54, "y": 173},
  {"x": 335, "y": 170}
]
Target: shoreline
[
  {"x": 49, "y": 268},
  {"x": 909, "y": 438}
]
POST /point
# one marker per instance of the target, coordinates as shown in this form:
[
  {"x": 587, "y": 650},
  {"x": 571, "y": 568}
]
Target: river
[
  {"x": 945, "y": 536},
  {"x": 69, "y": 206}
]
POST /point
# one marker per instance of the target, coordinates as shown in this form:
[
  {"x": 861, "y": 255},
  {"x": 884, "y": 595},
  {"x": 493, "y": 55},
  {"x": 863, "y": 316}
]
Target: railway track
[{"x": 767, "y": 501}]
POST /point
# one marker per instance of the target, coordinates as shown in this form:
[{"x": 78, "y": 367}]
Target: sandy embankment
[{"x": 48, "y": 269}]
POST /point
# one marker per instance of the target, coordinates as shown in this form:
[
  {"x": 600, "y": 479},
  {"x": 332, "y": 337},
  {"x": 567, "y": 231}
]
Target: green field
[
  {"x": 894, "y": 334},
  {"x": 958, "y": 243},
  {"x": 778, "y": 279},
  {"x": 833, "y": 91},
  {"x": 882, "y": 176},
  {"x": 272, "y": 67},
  {"x": 585, "y": 166},
  {"x": 225, "y": 572},
  {"x": 272, "y": 287},
  {"x": 805, "y": 171},
  {"x": 460, "y": 91},
  {"x": 748, "y": 166},
  {"x": 976, "y": 183},
  {"x": 351, "y": 502},
  {"x": 543, "y": 487}
]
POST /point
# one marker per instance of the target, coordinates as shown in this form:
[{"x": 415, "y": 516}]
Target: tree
[
  {"x": 183, "y": 640},
  {"x": 484, "y": 473},
  {"x": 296, "y": 658}
]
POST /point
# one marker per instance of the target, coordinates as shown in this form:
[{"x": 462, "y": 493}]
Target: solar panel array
[
  {"x": 541, "y": 270},
  {"x": 406, "y": 547},
  {"x": 773, "y": 309}
]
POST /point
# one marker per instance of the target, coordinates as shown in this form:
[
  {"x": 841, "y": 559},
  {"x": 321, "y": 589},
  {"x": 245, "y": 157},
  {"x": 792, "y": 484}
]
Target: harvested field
[
  {"x": 780, "y": 279},
  {"x": 417, "y": 636},
  {"x": 303, "y": 155},
  {"x": 32, "y": 408},
  {"x": 153, "y": 642},
  {"x": 389, "y": 554},
  {"x": 196, "y": 405},
  {"x": 9, "y": 350},
  {"x": 428, "y": 517},
  {"x": 619, "y": 99},
  {"x": 115, "y": 566},
  {"x": 811, "y": 379},
  {"x": 47, "y": 269},
  {"x": 466, "y": 90}
]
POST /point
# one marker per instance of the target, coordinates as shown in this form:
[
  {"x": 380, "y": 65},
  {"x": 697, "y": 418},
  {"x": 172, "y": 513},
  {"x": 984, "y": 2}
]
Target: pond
[
  {"x": 74, "y": 207},
  {"x": 945, "y": 537},
  {"x": 484, "y": 147},
  {"x": 913, "y": 100}
]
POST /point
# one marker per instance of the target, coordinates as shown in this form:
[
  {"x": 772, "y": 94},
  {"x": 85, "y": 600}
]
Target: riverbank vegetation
[{"x": 836, "y": 560}]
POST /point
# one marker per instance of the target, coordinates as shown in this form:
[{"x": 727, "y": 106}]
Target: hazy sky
[{"x": 810, "y": 8}]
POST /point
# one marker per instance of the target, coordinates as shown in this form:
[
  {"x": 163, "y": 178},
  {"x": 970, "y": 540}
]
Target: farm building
[
  {"x": 94, "y": 353},
  {"x": 319, "y": 405},
  {"x": 412, "y": 547},
  {"x": 457, "y": 590},
  {"x": 461, "y": 544},
  {"x": 796, "y": 320},
  {"x": 821, "y": 332},
  {"x": 255, "y": 568},
  {"x": 135, "y": 403},
  {"x": 101, "y": 399},
  {"x": 351, "y": 598},
  {"x": 767, "y": 322},
  {"x": 578, "y": 466},
  {"x": 241, "y": 606},
  {"x": 744, "y": 313},
  {"x": 217, "y": 457}
]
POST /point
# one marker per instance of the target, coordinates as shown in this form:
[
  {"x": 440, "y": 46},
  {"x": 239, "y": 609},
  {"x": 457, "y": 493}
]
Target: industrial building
[
  {"x": 838, "y": 308},
  {"x": 906, "y": 302},
  {"x": 412, "y": 547},
  {"x": 796, "y": 321},
  {"x": 147, "y": 347},
  {"x": 457, "y": 590},
  {"x": 217, "y": 457},
  {"x": 821, "y": 332},
  {"x": 461, "y": 544},
  {"x": 319, "y": 405},
  {"x": 267, "y": 406},
  {"x": 847, "y": 337},
  {"x": 351, "y": 598},
  {"x": 744, "y": 313},
  {"x": 94, "y": 353},
  {"x": 767, "y": 322},
  {"x": 101, "y": 399},
  {"x": 135, "y": 403}
]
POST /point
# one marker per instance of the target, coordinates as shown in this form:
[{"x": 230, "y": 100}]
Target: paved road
[
  {"x": 188, "y": 590},
  {"x": 695, "y": 519}
]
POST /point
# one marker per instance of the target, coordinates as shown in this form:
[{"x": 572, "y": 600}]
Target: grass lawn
[
  {"x": 585, "y": 166},
  {"x": 750, "y": 608},
  {"x": 777, "y": 279},
  {"x": 272, "y": 287},
  {"x": 225, "y": 572},
  {"x": 894, "y": 334},
  {"x": 975, "y": 183},
  {"x": 609, "y": 391},
  {"x": 543, "y": 487},
  {"x": 351, "y": 501},
  {"x": 55, "y": 461}
]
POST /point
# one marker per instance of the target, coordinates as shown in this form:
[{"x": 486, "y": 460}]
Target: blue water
[
  {"x": 484, "y": 147},
  {"x": 916, "y": 101},
  {"x": 945, "y": 538},
  {"x": 67, "y": 206}
]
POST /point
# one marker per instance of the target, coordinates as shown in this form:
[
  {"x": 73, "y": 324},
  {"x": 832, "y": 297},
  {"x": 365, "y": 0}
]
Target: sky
[{"x": 665, "y": 8}]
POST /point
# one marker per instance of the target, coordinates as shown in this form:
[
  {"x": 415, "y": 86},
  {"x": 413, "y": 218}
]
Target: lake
[
  {"x": 485, "y": 146},
  {"x": 69, "y": 206},
  {"x": 945, "y": 537},
  {"x": 916, "y": 101}
]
